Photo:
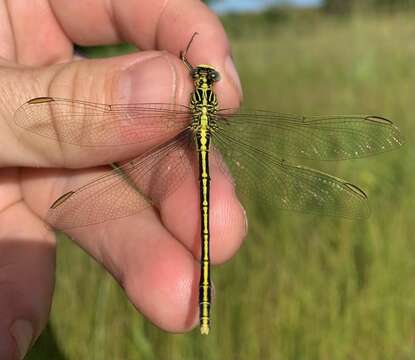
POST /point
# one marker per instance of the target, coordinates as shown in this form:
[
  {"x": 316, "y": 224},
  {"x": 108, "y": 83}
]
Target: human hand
[{"x": 152, "y": 255}]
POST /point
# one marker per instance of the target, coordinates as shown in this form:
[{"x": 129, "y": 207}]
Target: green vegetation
[
  {"x": 347, "y": 6},
  {"x": 314, "y": 288}
]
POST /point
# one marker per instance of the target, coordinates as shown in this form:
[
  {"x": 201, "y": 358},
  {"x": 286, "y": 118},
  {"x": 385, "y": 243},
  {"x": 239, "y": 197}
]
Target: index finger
[{"x": 158, "y": 24}]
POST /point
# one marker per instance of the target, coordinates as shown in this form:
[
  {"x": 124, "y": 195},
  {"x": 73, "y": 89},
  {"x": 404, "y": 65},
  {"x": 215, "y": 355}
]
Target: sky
[{"x": 222, "y": 6}]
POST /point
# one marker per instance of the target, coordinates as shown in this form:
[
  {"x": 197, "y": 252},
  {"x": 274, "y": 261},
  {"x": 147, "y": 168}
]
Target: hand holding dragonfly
[{"x": 150, "y": 253}]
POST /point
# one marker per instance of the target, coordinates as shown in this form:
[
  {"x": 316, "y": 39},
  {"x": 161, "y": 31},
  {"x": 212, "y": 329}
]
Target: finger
[
  {"x": 100, "y": 195},
  {"x": 160, "y": 24},
  {"x": 181, "y": 214},
  {"x": 26, "y": 277},
  {"x": 146, "y": 24},
  {"x": 158, "y": 274},
  {"x": 31, "y": 34},
  {"x": 28, "y": 40},
  {"x": 155, "y": 261},
  {"x": 30, "y": 134}
]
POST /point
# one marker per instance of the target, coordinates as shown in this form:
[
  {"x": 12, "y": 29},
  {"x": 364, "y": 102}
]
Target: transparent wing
[
  {"x": 317, "y": 137},
  {"x": 276, "y": 183},
  {"x": 129, "y": 188},
  {"x": 92, "y": 124}
]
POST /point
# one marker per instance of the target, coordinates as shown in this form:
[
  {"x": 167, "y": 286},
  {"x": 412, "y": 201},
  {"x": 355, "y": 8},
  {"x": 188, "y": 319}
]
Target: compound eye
[
  {"x": 214, "y": 76},
  {"x": 194, "y": 73}
]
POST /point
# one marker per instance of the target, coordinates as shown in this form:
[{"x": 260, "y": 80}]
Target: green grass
[{"x": 314, "y": 287}]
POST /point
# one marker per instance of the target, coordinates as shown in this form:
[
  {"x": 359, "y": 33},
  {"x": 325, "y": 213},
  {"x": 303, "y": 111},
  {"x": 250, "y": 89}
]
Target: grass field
[{"x": 313, "y": 287}]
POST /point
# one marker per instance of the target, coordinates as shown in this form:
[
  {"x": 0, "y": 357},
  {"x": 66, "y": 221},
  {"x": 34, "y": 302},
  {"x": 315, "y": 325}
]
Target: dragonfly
[{"x": 251, "y": 147}]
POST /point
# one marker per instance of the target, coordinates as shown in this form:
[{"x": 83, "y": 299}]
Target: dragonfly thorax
[{"x": 203, "y": 102}]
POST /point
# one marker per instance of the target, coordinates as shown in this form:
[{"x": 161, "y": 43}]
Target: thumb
[{"x": 44, "y": 132}]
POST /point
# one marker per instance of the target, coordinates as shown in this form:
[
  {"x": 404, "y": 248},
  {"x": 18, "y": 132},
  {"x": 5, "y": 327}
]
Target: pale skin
[{"x": 154, "y": 254}]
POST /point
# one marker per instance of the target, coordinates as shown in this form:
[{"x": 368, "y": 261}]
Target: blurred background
[{"x": 302, "y": 286}]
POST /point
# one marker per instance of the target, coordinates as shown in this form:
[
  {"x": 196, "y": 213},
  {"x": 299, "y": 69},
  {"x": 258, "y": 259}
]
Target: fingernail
[
  {"x": 22, "y": 331},
  {"x": 233, "y": 74},
  {"x": 151, "y": 80}
]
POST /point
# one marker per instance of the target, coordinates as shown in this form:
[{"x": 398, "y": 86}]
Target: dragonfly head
[{"x": 204, "y": 74}]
